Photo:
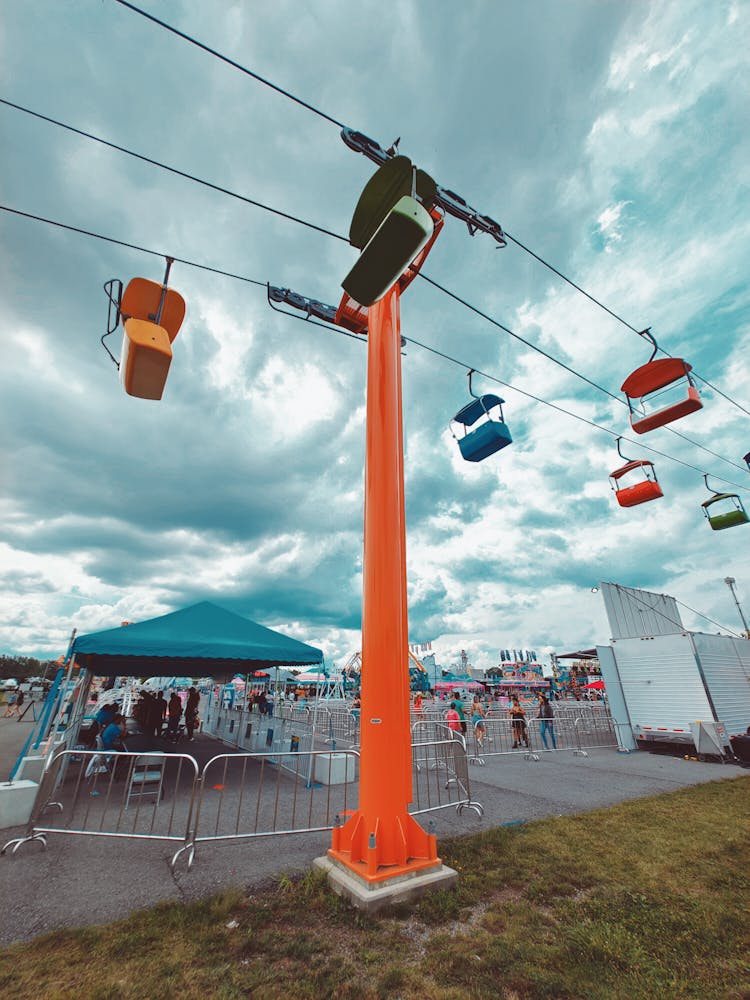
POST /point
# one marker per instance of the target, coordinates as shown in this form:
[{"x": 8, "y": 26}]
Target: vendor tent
[{"x": 200, "y": 641}]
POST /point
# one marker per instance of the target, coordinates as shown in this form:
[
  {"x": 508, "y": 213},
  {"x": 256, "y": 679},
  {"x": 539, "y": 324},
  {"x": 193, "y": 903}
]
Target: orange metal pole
[{"x": 381, "y": 840}]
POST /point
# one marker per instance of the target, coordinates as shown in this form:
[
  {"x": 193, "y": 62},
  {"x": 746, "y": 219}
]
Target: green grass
[{"x": 645, "y": 900}]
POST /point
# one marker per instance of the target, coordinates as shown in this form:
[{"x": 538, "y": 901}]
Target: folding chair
[
  {"x": 99, "y": 763},
  {"x": 146, "y": 778}
]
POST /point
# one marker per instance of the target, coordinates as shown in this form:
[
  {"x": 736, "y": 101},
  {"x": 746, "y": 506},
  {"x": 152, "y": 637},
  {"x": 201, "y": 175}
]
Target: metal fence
[
  {"x": 532, "y": 737},
  {"x": 146, "y": 796},
  {"x": 440, "y": 770},
  {"x": 283, "y": 789}
]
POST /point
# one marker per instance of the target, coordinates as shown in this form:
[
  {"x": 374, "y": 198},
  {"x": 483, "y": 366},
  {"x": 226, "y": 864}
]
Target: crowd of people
[{"x": 457, "y": 721}]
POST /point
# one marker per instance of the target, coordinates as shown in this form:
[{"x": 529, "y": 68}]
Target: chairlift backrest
[
  {"x": 390, "y": 182},
  {"x": 141, "y": 300},
  {"x": 649, "y": 379},
  {"x": 479, "y": 406}
]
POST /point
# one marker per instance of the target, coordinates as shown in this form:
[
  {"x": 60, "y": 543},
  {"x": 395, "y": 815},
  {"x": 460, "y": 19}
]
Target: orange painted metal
[
  {"x": 380, "y": 840},
  {"x": 351, "y": 315},
  {"x": 146, "y": 357},
  {"x": 142, "y": 298}
]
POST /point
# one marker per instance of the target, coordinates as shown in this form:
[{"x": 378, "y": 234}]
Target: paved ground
[{"x": 86, "y": 880}]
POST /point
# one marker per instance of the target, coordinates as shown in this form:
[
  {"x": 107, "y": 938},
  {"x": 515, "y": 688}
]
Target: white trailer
[{"x": 687, "y": 687}]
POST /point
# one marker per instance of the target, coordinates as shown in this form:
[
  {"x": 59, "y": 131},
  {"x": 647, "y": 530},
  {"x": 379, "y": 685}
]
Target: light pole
[{"x": 730, "y": 581}]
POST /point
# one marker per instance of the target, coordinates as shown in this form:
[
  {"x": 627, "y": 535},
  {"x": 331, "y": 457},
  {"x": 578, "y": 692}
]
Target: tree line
[{"x": 22, "y": 667}]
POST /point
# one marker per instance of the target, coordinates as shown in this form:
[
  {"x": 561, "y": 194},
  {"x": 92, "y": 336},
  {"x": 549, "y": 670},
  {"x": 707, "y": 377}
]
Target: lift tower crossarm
[{"x": 449, "y": 201}]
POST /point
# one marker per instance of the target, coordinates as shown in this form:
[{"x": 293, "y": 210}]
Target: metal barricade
[
  {"x": 261, "y": 794},
  {"x": 339, "y": 725},
  {"x": 147, "y": 796},
  {"x": 594, "y": 731},
  {"x": 440, "y": 776},
  {"x": 534, "y": 737}
]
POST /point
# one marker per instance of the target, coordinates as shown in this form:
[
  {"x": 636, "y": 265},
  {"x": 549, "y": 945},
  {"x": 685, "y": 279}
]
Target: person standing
[
  {"x": 518, "y": 723},
  {"x": 191, "y": 712},
  {"x": 161, "y": 702},
  {"x": 174, "y": 711},
  {"x": 546, "y": 716},
  {"x": 418, "y": 706}
]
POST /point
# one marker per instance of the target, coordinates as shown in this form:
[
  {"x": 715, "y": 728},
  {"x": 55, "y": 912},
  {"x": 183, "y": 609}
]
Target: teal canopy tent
[{"x": 201, "y": 641}]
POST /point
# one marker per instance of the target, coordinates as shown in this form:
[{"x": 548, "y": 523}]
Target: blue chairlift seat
[{"x": 490, "y": 436}]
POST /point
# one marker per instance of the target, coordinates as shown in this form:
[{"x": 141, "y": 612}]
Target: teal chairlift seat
[{"x": 490, "y": 435}]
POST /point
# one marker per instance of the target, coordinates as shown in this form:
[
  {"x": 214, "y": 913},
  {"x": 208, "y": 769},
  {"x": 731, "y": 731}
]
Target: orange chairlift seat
[
  {"x": 642, "y": 484},
  {"x": 151, "y": 315},
  {"x": 726, "y": 510},
  {"x": 652, "y": 380}
]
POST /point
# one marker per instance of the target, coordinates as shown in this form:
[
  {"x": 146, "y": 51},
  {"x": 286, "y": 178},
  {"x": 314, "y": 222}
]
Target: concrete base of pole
[{"x": 371, "y": 897}]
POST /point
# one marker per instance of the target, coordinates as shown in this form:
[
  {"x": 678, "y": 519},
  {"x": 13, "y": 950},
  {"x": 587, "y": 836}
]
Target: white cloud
[{"x": 627, "y": 169}]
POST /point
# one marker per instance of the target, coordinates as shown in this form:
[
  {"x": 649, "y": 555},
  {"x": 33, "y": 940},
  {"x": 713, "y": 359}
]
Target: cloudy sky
[{"x": 610, "y": 138}]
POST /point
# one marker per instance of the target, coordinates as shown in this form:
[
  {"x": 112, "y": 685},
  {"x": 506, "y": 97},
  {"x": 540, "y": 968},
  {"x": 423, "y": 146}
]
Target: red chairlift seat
[
  {"x": 648, "y": 380},
  {"x": 642, "y": 491}
]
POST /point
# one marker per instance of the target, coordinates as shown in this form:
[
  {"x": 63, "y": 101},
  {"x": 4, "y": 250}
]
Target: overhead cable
[
  {"x": 135, "y": 246},
  {"x": 462, "y": 364},
  {"x": 173, "y": 170},
  {"x": 338, "y": 236},
  {"x": 334, "y": 121},
  {"x": 230, "y": 62}
]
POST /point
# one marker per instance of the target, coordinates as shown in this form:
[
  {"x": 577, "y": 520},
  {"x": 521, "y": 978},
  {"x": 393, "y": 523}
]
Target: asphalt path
[{"x": 83, "y": 880}]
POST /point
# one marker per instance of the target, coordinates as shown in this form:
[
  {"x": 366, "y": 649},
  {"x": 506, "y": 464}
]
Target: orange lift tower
[{"x": 380, "y": 850}]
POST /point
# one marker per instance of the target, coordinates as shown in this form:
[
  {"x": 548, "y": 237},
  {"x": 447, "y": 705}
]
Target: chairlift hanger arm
[
  {"x": 449, "y": 201},
  {"x": 113, "y": 290}
]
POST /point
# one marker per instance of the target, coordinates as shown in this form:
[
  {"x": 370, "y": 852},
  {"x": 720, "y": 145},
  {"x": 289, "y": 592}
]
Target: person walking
[
  {"x": 10, "y": 707},
  {"x": 18, "y": 704},
  {"x": 477, "y": 720},
  {"x": 453, "y": 719},
  {"x": 518, "y": 723},
  {"x": 546, "y": 716},
  {"x": 459, "y": 703}
]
